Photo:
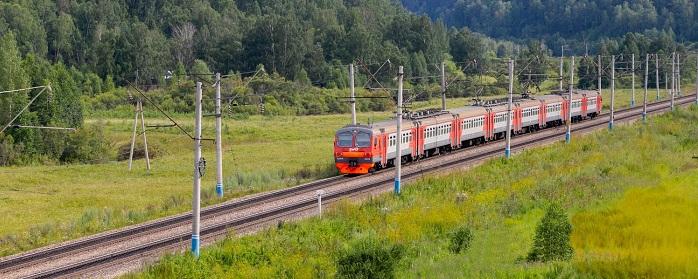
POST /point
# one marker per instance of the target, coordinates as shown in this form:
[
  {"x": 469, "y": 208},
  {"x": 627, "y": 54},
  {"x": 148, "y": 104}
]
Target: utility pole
[
  {"x": 507, "y": 150},
  {"x": 666, "y": 84},
  {"x": 678, "y": 74},
  {"x": 145, "y": 139},
  {"x": 353, "y": 96},
  {"x": 568, "y": 135},
  {"x": 138, "y": 111},
  {"x": 219, "y": 139},
  {"x": 656, "y": 71},
  {"x": 562, "y": 63},
  {"x": 613, "y": 90},
  {"x": 673, "y": 78},
  {"x": 632, "y": 100},
  {"x": 443, "y": 86},
  {"x": 644, "y": 99},
  {"x": 398, "y": 137},
  {"x": 599, "y": 74},
  {"x": 196, "y": 201}
]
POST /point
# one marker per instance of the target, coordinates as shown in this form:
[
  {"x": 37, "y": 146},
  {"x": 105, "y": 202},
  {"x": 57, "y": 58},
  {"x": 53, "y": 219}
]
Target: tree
[
  {"x": 466, "y": 47},
  {"x": 533, "y": 65},
  {"x": 552, "y": 240},
  {"x": 13, "y": 76},
  {"x": 183, "y": 43},
  {"x": 67, "y": 107},
  {"x": 587, "y": 73}
]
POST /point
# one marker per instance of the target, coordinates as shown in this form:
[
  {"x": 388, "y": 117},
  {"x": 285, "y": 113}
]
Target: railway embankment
[{"x": 630, "y": 193}]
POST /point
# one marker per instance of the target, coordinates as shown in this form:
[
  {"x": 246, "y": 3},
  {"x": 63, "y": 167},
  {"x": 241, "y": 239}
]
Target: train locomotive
[{"x": 361, "y": 149}]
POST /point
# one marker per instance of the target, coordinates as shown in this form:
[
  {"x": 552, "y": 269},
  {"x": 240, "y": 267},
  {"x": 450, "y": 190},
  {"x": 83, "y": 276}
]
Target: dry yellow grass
[{"x": 649, "y": 233}]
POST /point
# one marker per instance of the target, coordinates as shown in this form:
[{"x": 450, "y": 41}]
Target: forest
[
  {"x": 572, "y": 22},
  {"x": 298, "y": 52}
]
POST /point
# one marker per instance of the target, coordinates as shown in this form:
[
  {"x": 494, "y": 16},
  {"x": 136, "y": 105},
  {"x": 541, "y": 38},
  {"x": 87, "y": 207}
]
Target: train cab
[{"x": 353, "y": 150}]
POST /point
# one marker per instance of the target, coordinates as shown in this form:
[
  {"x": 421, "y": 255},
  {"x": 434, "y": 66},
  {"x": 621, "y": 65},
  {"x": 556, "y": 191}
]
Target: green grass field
[
  {"x": 47, "y": 204},
  {"x": 631, "y": 195}
]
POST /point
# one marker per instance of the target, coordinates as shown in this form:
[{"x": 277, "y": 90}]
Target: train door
[
  {"x": 413, "y": 141},
  {"x": 565, "y": 109},
  {"x": 420, "y": 140},
  {"x": 487, "y": 122},
  {"x": 455, "y": 133},
  {"x": 517, "y": 123},
  {"x": 585, "y": 104},
  {"x": 384, "y": 149},
  {"x": 492, "y": 123},
  {"x": 543, "y": 115}
]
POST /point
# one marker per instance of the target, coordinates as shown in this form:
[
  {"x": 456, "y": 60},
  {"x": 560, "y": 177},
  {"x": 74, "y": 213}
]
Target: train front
[{"x": 352, "y": 150}]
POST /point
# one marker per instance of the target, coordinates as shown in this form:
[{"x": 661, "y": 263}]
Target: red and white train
[{"x": 360, "y": 149}]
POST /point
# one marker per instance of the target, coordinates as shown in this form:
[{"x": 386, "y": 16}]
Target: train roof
[{"x": 434, "y": 116}]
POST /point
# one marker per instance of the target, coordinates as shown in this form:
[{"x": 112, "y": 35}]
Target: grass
[
  {"x": 630, "y": 218},
  {"x": 649, "y": 233},
  {"x": 48, "y": 204},
  {"x": 62, "y": 202}
]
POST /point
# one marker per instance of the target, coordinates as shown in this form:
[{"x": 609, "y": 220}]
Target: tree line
[
  {"x": 567, "y": 21},
  {"x": 114, "y": 39}
]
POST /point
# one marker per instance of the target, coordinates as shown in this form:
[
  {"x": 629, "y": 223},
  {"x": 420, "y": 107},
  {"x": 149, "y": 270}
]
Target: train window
[
  {"x": 363, "y": 140},
  {"x": 345, "y": 139}
]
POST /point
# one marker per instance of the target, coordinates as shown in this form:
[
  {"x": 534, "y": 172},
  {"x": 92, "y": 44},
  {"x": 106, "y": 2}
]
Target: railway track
[{"x": 292, "y": 202}]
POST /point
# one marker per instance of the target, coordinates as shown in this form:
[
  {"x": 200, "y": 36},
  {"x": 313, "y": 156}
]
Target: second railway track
[{"x": 292, "y": 201}]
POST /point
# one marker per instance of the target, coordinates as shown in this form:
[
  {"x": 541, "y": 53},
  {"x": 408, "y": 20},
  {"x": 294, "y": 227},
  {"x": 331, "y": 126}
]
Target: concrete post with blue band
[
  {"x": 510, "y": 115},
  {"x": 568, "y": 134},
  {"x": 196, "y": 196},
  {"x": 398, "y": 137},
  {"x": 219, "y": 139},
  {"x": 613, "y": 92},
  {"x": 219, "y": 189},
  {"x": 195, "y": 244}
]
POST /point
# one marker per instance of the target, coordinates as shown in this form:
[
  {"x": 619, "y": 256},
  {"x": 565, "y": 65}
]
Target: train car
[{"x": 360, "y": 149}]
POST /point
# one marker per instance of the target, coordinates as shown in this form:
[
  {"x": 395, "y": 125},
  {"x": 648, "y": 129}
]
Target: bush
[
  {"x": 552, "y": 240},
  {"x": 369, "y": 258},
  {"x": 86, "y": 145},
  {"x": 8, "y": 150},
  {"x": 460, "y": 240}
]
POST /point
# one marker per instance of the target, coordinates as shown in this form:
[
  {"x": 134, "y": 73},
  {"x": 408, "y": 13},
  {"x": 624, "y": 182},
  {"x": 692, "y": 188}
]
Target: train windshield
[
  {"x": 345, "y": 139},
  {"x": 363, "y": 140}
]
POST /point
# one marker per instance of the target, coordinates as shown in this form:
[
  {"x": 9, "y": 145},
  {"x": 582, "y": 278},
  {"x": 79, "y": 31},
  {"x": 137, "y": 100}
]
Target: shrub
[
  {"x": 86, "y": 145},
  {"x": 369, "y": 258},
  {"x": 8, "y": 150},
  {"x": 552, "y": 240},
  {"x": 460, "y": 240}
]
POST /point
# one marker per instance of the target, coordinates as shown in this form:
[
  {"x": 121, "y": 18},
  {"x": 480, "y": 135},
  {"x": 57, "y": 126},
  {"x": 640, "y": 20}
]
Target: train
[{"x": 361, "y": 149}]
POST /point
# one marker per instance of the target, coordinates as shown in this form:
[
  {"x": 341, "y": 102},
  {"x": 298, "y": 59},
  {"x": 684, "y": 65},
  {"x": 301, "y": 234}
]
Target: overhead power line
[{"x": 27, "y": 105}]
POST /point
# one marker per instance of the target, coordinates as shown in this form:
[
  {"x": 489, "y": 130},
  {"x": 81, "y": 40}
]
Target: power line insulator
[
  {"x": 261, "y": 108},
  {"x": 201, "y": 167}
]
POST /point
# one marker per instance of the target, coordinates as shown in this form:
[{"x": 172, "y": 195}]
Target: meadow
[
  {"x": 631, "y": 195},
  {"x": 48, "y": 204}
]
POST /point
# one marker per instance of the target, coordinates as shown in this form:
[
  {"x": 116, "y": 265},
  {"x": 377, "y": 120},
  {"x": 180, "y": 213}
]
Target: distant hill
[{"x": 571, "y": 19}]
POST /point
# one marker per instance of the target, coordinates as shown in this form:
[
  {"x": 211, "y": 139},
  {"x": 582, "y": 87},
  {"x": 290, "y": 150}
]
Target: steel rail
[
  {"x": 14, "y": 262},
  {"x": 275, "y": 213}
]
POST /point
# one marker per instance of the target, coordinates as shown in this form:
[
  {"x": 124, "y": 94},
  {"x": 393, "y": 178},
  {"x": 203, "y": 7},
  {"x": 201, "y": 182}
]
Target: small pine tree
[{"x": 552, "y": 240}]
